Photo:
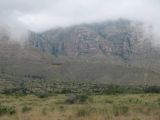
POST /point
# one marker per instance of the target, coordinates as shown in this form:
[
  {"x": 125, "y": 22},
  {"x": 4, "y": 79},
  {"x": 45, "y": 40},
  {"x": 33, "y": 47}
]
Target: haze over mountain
[
  {"x": 81, "y": 42},
  {"x": 40, "y": 15},
  {"x": 86, "y": 52}
]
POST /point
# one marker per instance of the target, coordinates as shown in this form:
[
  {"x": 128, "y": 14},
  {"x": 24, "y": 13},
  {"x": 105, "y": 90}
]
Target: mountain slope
[
  {"x": 18, "y": 60},
  {"x": 115, "y": 52}
]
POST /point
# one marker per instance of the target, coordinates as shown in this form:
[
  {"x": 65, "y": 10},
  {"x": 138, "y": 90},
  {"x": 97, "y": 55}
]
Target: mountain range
[{"x": 113, "y": 52}]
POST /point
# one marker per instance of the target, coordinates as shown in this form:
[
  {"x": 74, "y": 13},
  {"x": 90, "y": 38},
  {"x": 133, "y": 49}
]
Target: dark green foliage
[
  {"x": 61, "y": 108},
  {"x": 7, "y": 110},
  {"x": 116, "y": 89},
  {"x": 43, "y": 95},
  {"x": 112, "y": 89},
  {"x": 46, "y": 88},
  {"x": 26, "y": 109},
  {"x": 16, "y": 91},
  {"x": 82, "y": 98},
  {"x": 79, "y": 89},
  {"x": 152, "y": 89}
]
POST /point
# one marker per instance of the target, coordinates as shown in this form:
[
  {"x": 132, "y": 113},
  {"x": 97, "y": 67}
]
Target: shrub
[
  {"x": 71, "y": 99},
  {"x": 76, "y": 99},
  {"x": 26, "y": 109},
  {"x": 114, "y": 89},
  {"x": 43, "y": 95},
  {"x": 152, "y": 89},
  {"x": 61, "y": 108},
  {"x": 7, "y": 110},
  {"x": 82, "y": 98},
  {"x": 158, "y": 101}
]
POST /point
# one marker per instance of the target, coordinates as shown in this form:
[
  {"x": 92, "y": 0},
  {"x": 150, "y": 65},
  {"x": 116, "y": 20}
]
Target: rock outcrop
[{"x": 121, "y": 38}]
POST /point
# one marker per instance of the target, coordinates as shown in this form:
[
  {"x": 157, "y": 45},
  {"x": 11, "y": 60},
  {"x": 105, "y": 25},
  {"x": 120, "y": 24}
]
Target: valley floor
[{"x": 82, "y": 107}]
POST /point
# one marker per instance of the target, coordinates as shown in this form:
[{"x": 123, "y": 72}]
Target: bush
[
  {"x": 7, "y": 110},
  {"x": 26, "y": 109},
  {"x": 82, "y": 98},
  {"x": 61, "y": 108},
  {"x": 43, "y": 95},
  {"x": 114, "y": 89},
  {"x": 71, "y": 99},
  {"x": 152, "y": 89},
  {"x": 76, "y": 99}
]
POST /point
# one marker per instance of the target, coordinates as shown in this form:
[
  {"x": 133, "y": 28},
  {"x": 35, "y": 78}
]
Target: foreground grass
[{"x": 93, "y": 107}]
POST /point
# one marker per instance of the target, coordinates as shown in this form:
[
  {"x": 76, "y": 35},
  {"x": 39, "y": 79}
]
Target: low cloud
[{"x": 40, "y": 15}]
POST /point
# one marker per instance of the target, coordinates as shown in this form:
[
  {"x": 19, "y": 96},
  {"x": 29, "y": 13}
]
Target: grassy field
[{"x": 81, "y": 107}]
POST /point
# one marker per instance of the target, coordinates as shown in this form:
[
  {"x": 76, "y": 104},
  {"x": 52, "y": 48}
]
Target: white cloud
[{"x": 39, "y": 15}]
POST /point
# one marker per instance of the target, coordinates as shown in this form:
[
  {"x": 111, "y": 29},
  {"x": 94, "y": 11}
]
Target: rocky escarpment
[{"x": 122, "y": 38}]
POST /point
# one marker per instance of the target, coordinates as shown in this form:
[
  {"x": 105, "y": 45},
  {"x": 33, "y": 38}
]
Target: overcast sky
[{"x": 40, "y": 15}]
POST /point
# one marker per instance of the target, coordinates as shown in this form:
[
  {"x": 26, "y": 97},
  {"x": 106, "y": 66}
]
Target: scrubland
[{"x": 80, "y": 107}]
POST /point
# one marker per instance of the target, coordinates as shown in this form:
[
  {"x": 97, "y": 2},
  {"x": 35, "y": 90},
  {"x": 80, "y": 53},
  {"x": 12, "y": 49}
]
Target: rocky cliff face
[{"x": 120, "y": 38}]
